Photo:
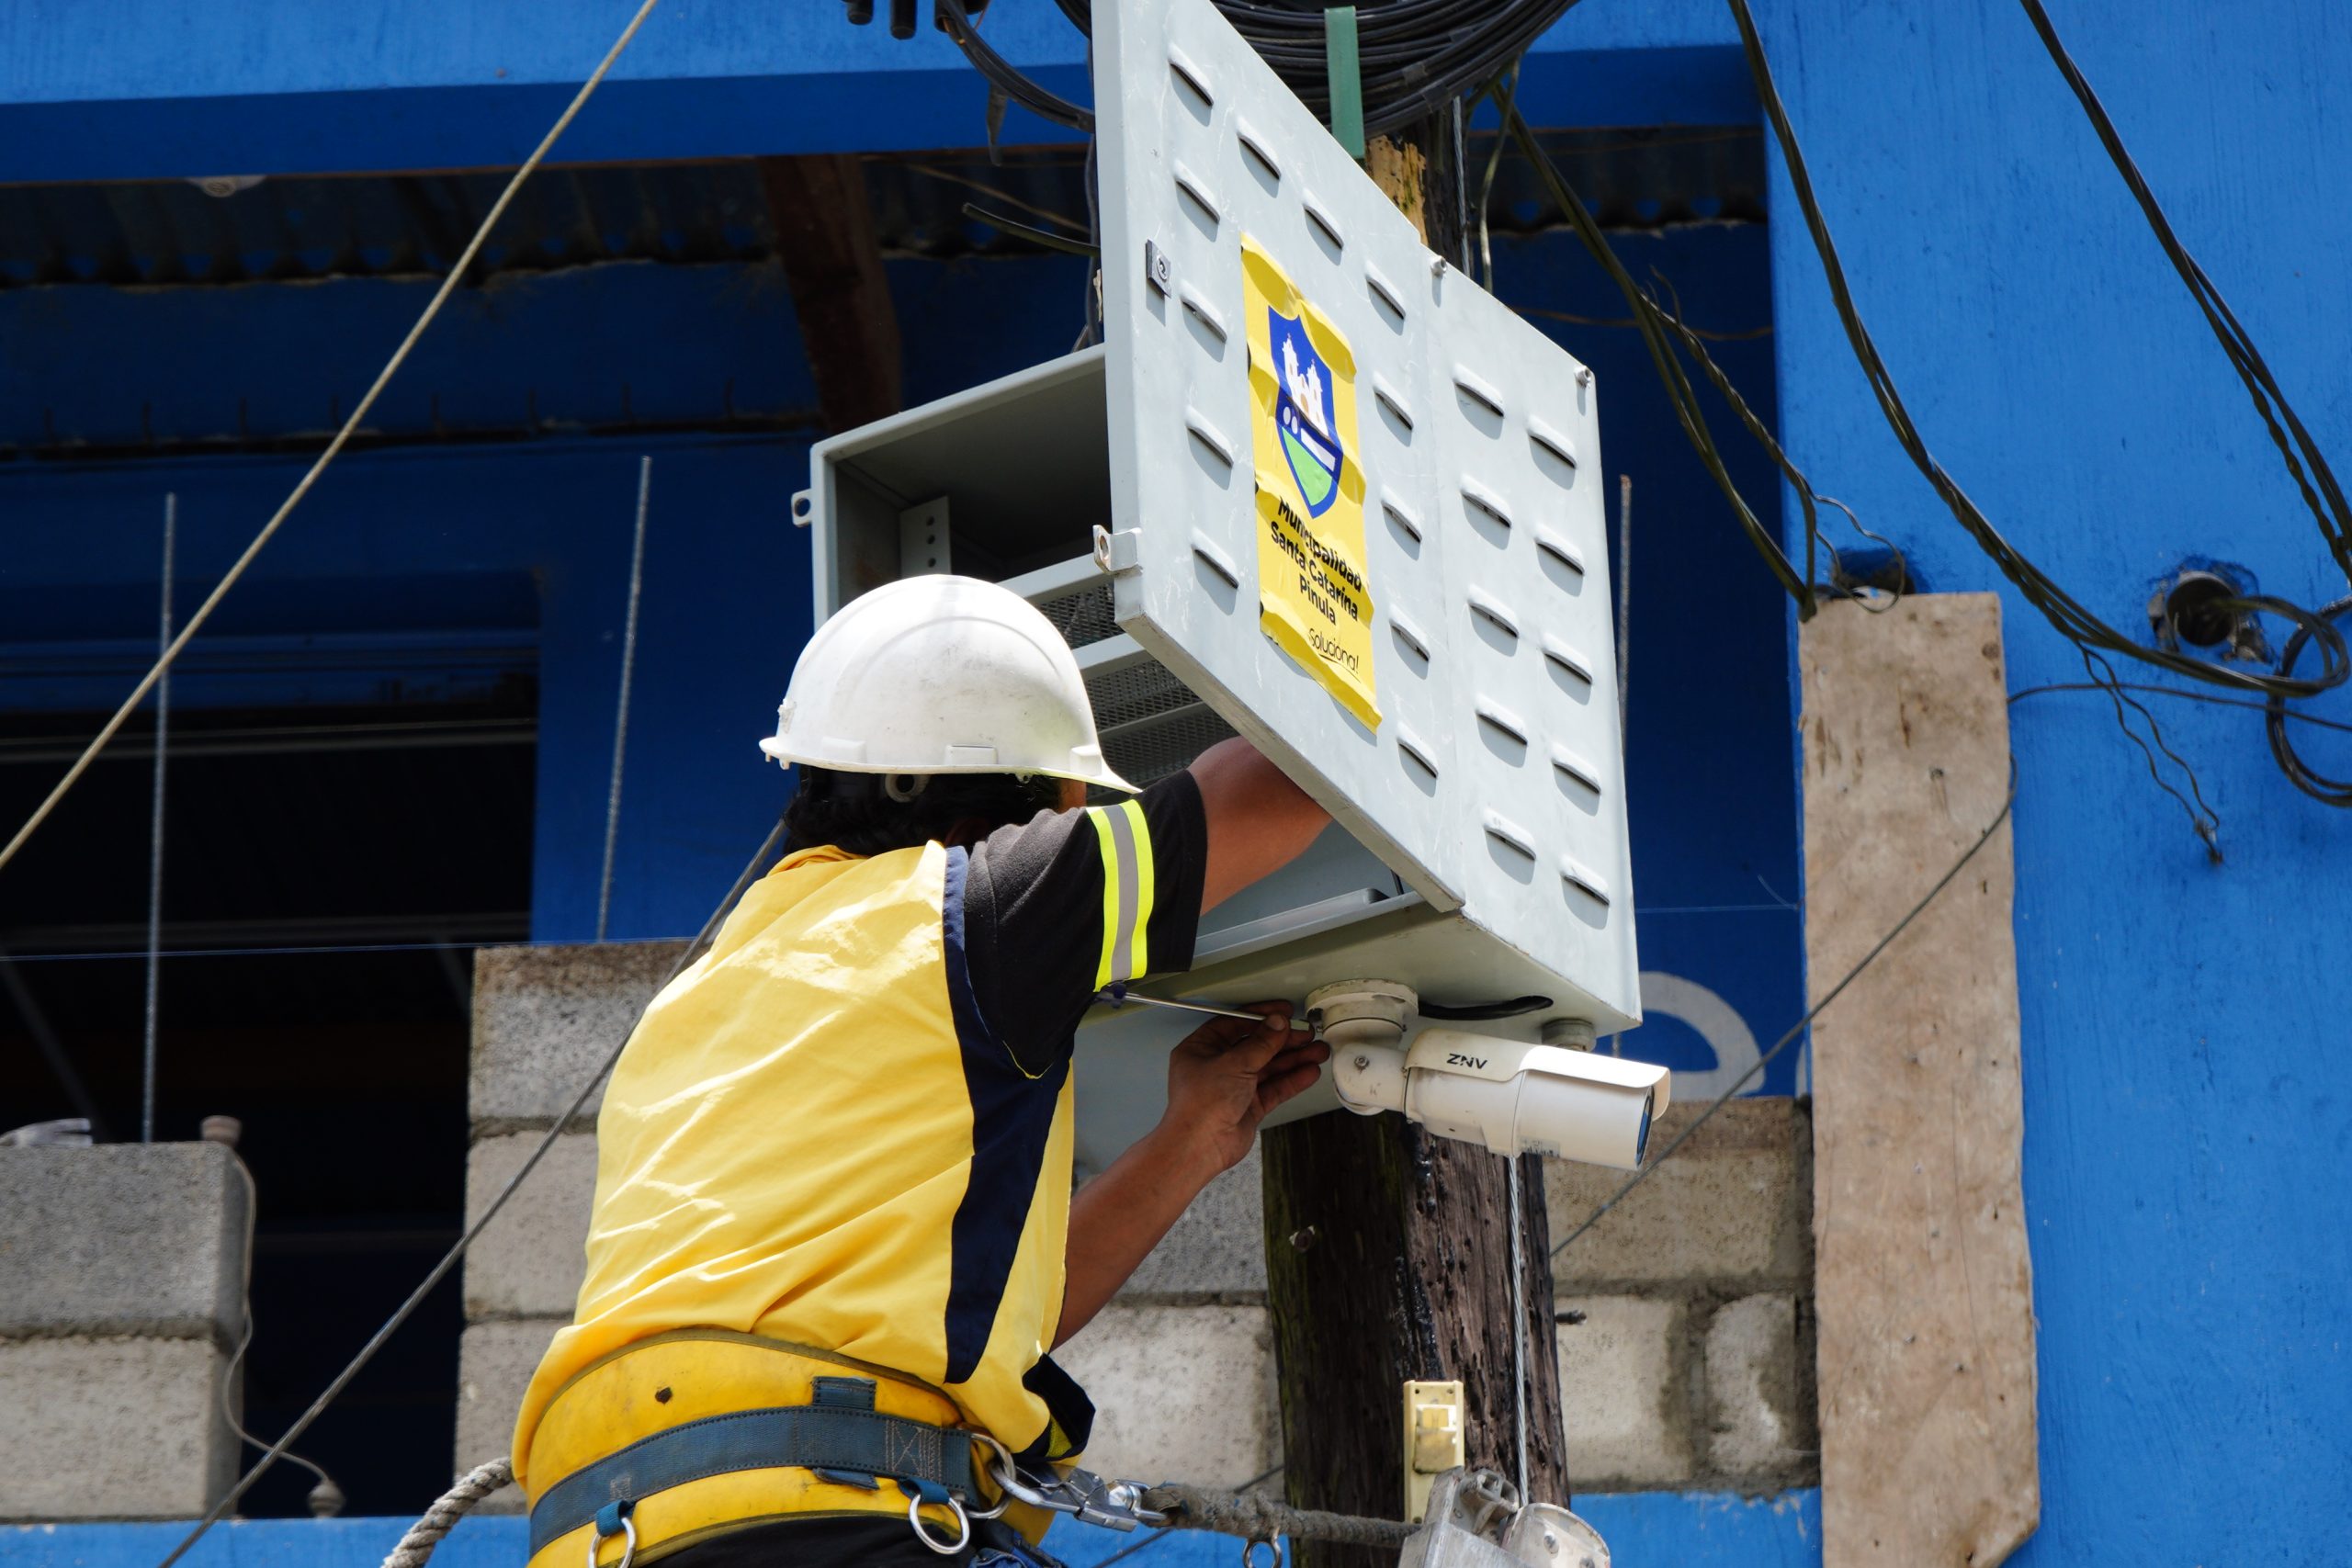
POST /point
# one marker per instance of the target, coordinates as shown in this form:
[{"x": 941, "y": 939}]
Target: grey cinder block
[
  {"x": 112, "y": 1429},
  {"x": 1759, "y": 1421},
  {"x": 1624, "y": 1396},
  {"x": 495, "y": 1361},
  {"x": 122, "y": 1239},
  {"x": 1217, "y": 1250},
  {"x": 529, "y": 1260},
  {"x": 1181, "y": 1392},
  {"x": 1732, "y": 1208},
  {"x": 544, "y": 1018}
]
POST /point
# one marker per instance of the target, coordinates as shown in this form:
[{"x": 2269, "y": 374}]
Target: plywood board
[{"x": 1923, "y": 1281}]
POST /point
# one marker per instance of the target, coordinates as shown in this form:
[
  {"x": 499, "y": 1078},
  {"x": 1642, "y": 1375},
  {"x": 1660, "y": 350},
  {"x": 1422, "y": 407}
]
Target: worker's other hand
[{"x": 1229, "y": 1074}]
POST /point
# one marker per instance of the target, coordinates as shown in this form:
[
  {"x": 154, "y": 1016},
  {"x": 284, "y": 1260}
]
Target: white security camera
[{"x": 1511, "y": 1096}]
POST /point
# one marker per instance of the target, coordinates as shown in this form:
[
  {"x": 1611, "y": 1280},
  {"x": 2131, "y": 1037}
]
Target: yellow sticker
[{"x": 1314, "y": 598}]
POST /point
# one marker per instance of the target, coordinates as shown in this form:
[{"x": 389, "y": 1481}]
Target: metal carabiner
[
  {"x": 988, "y": 1467},
  {"x": 1249, "y": 1552},
  {"x": 1114, "y": 1506}
]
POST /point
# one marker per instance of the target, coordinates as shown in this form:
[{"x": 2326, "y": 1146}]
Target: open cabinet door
[{"x": 1355, "y": 504}]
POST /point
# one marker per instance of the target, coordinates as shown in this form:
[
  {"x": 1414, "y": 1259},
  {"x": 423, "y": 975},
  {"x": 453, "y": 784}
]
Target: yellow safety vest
[{"x": 811, "y": 1140}]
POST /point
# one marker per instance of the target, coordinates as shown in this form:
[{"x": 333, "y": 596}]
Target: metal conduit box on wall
[{"x": 1319, "y": 489}]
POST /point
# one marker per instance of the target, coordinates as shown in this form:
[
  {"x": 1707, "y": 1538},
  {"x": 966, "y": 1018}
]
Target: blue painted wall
[
  {"x": 480, "y": 546},
  {"x": 1686, "y": 1530},
  {"x": 147, "y": 88},
  {"x": 2185, "y": 1134},
  {"x": 2186, "y": 1125}
]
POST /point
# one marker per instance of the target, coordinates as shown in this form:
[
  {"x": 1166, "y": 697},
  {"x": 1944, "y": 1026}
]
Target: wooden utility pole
[{"x": 1388, "y": 1250}]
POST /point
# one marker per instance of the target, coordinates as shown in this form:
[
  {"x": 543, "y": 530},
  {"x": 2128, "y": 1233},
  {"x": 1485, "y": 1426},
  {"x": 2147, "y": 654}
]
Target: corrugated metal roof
[{"x": 172, "y": 232}]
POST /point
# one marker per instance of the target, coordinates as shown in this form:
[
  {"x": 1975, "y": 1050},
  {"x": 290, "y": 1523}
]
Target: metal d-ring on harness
[
  {"x": 915, "y": 1500},
  {"x": 1114, "y": 1504}
]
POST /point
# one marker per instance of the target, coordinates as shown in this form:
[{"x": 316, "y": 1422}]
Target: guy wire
[
  {"x": 147, "y": 1056},
  {"x": 620, "y": 707},
  {"x": 342, "y": 437},
  {"x": 1797, "y": 1029}
]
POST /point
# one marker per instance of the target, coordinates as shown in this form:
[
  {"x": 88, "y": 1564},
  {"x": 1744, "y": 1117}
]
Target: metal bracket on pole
[
  {"x": 1462, "y": 1530},
  {"x": 1434, "y": 1422}
]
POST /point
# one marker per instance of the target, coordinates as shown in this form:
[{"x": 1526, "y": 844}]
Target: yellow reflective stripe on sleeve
[
  {"x": 1102, "y": 821},
  {"x": 1145, "y": 889},
  {"x": 1127, "y": 891}
]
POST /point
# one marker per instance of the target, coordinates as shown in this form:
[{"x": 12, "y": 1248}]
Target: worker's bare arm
[
  {"x": 1258, "y": 821},
  {"x": 1222, "y": 1081}
]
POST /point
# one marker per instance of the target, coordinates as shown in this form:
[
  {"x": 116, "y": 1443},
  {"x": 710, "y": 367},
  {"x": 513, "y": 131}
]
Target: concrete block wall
[
  {"x": 1685, "y": 1341},
  {"x": 544, "y": 1018},
  {"x": 121, "y": 1293}
]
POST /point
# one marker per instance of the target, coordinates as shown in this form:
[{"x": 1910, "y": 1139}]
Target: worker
[{"x": 834, "y": 1235}]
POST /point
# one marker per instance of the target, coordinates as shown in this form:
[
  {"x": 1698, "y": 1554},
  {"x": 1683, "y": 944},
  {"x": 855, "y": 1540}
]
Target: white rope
[
  {"x": 335, "y": 447},
  {"x": 455, "y": 1504}
]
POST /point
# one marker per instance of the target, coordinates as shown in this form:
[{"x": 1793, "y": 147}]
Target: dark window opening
[{"x": 327, "y": 873}]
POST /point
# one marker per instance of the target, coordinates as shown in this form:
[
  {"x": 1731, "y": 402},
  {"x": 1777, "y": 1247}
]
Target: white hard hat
[{"x": 941, "y": 674}]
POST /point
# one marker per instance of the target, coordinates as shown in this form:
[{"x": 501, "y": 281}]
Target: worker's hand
[{"x": 1228, "y": 1073}]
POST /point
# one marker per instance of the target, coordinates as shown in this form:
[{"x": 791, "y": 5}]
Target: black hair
[{"x": 871, "y": 813}]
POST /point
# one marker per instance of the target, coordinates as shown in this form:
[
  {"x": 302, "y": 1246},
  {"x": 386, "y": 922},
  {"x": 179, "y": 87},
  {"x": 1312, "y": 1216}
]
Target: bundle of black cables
[{"x": 1417, "y": 56}]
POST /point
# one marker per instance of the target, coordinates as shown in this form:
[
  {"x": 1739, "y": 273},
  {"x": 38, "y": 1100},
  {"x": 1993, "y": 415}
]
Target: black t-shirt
[{"x": 1038, "y": 896}]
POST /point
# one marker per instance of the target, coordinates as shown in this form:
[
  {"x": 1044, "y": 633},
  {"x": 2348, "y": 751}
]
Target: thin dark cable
[
  {"x": 1000, "y": 194},
  {"x": 147, "y": 1055},
  {"x": 2302, "y": 776},
  {"x": 1417, "y": 56},
  {"x": 498, "y": 1201},
  {"x": 1044, "y": 239},
  {"x": 2213, "y": 697},
  {"x": 1002, "y": 76},
  {"x": 8, "y": 959},
  {"x": 1655, "y": 338},
  {"x": 2073, "y": 620},
  {"x": 1797, "y": 1029},
  {"x": 620, "y": 705},
  {"x": 2334, "y": 517},
  {"x": 245, "y": 1335},
  {"x": 2202, "y": 817},
  {"x": 1743, "y": 336}
]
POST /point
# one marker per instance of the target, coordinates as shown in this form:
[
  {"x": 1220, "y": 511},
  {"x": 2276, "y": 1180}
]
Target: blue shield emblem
[{"x": 1305, "y": 413}]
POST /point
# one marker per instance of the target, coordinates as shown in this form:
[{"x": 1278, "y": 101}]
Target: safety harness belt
[{"x": 844, "y": 1442}]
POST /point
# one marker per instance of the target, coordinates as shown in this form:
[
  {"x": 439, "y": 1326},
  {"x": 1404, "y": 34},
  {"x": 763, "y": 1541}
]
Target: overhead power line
[{"x": 335, "y": 447}]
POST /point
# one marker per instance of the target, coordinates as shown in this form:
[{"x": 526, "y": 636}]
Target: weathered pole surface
[{"x": 1388, "y": 1252}]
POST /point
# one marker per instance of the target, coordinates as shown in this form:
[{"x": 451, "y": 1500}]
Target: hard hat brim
[{"x": 1103, "y": 777}]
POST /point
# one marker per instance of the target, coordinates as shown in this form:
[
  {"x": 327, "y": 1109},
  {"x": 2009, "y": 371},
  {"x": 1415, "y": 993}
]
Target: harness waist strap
[{"x": 805, "y": 1436}]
